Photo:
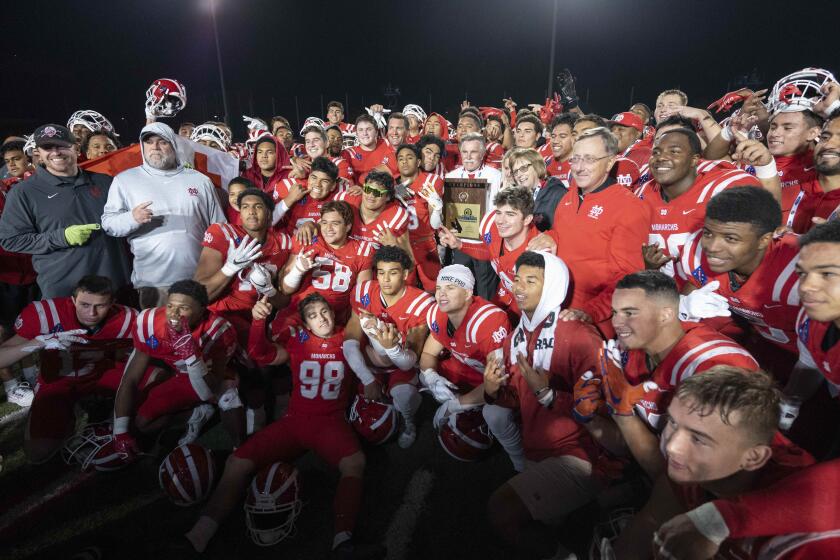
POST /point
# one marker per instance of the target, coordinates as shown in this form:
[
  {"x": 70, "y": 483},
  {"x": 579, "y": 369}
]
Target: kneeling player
[
  {"x": 77, "y": 337},
  {"x": 471, "y": 329},
  {"x": 314, "y": 420},
  {"x": 721, "y": 441},
  {"x": 190, "y": 342}
]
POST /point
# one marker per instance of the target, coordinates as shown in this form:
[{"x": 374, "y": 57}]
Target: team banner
[{"x": 464, "y": 204}]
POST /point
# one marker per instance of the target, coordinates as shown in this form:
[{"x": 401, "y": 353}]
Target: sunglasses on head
[{"x": 374, "y": 190}]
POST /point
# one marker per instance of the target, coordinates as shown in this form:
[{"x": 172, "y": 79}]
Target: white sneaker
[
  {"x": 200, "y": 416},
  {"x": 21, "y": 395},
  {"x": 407, "y": 436}
]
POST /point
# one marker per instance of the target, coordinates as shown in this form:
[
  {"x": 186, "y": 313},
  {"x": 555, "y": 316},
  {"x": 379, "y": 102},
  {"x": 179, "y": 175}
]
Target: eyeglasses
[
  {"x": 375, "y": 191},
  {"x": 588, "y": 161},
  {"x": 522, "y": 169}
]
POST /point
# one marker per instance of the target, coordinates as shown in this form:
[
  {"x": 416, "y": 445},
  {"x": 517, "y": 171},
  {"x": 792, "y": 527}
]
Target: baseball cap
[
  {"x": 53, "y": 135},
  {"x": 628, "y": 119}
]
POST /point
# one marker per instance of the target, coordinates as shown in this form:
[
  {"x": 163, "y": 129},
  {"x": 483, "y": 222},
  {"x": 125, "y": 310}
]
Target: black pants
[
  {"x": 486, "y": 281},
  {"x": 13, "y": 298}
]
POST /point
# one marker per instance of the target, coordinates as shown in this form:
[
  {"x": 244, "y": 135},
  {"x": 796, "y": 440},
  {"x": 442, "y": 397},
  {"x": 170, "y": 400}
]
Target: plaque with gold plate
[{"x": 464, "y": 205}]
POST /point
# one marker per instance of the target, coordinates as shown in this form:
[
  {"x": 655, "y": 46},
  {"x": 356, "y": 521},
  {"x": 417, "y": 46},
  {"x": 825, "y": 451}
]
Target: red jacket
[{"x": 280, "y": 170}]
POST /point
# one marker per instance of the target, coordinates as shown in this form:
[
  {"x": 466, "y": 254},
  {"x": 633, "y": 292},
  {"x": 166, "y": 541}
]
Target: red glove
[
  {"x": 728, "y": 100},
  {"x": 126, "y": 444},
  {"x": 588, "y": 397},
  {"x": 259, "y": 348},
  {"x": 182, "y": 342},
  {"x": 619, "y": 394}
]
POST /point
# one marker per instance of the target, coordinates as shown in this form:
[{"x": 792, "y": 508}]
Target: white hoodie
[
  {"x": 555, "y": 289},
  {"x": 184, "y": 204}
]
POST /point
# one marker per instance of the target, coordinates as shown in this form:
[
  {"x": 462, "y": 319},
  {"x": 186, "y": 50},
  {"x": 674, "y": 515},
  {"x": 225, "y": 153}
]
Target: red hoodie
[{"x": 281, "y": 170}]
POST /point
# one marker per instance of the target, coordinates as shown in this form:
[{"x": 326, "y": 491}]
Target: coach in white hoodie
[{"x": 163, "y": 208}]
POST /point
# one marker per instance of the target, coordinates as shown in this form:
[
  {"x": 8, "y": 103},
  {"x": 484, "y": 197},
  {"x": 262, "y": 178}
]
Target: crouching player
[
  {"x": 194, "y": 347},
  {"x": 322, "y": 386},
  {"x": 77, "y": 338},
  {"x": 721, "y": 441},
  {"x": 543, "y": 359}
]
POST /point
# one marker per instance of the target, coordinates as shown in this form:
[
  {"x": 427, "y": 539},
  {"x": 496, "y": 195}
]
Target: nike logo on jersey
[
  {"x": 52, "y": 195},
  {"x": 767, "y": 306},
  {"x": 688, "y": 211},
  {"x": 808, "y": 168}
]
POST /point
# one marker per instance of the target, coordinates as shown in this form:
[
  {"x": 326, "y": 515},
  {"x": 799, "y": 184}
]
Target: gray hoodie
[{"x": 184, "y": 204}]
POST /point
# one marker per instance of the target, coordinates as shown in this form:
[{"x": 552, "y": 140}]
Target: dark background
[{"x": 102, "y": 55}]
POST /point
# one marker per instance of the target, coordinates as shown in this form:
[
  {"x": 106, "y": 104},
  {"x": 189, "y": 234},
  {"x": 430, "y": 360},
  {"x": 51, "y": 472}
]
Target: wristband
[
  {"x": 767, "y": 171},
  {"x": 709, "y": 522},
  {"x": 121, "y": 425},
  {"x": 726, "y": 133},
  {"x": 831, "y": 108},
  {"x": 548, "y": 398},
  {"x": 403, "y": 358},
  {"x": 353, "y": 355},
  {"x": 293, "y": 278},
  {"x": 196, "y": 370}
]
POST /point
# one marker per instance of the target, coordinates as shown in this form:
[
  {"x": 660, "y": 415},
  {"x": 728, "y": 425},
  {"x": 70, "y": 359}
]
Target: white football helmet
[
  {"x": 605, "y": 533},
  {"x": 81, "y": 449},
  {"x": 165, "y": 97},
  {"x": 91, "y": 120},
  {"x": 313, "y": 121},
  {"x": 213, "y": 133},
  {"x": 272, "y": 504},
  {"x": 349, "y": 140},
  {"x": 415, "y": 111},
  {"x": 799, "y": 91},
  {"x": 29, "y": 146}
]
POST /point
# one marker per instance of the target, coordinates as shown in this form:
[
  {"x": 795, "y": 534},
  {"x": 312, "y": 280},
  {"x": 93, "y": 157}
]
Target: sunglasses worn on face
[{"x": 375, "y": 191}]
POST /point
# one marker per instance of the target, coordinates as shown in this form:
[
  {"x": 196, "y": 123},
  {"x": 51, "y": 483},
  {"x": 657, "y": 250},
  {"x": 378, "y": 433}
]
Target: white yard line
[{"x": 401, "y": 530}]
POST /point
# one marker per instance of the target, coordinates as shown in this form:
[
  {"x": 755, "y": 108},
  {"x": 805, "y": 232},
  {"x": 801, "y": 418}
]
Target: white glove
[
  {"x": 789, "y": 412},
  {"x": 431, "y": 196},
  {"x": 56, "y": 341},
  {"x": 370, "y": 325},
  {"x": 240, "y": 258},
  {"x": 303, "y": 264},
  {"x": 613, "y": 352},
  {"x": 260, "y": 279},
  {"x": 703, "y": 303},
  {"x": 441, "y": 388}
]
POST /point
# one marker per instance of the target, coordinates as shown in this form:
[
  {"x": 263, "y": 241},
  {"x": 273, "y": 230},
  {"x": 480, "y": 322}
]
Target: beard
[{"x": 162, "y": 162}]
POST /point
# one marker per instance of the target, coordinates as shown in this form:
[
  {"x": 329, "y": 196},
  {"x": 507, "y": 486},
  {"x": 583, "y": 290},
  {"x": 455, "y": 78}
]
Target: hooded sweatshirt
[
  {"x": 184, "y": 204},
  {"x": 254, "y": 173},
  {"x": 565, "y": 350}
]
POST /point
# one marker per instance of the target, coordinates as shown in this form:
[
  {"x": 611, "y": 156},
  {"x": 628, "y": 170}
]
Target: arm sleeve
[
  {"x": 475, "y": 249},
  {"x": 117, "y": 220},
  {"x": 19, "y": 233},
  {"x": 259, "y": 348},
  {"x": 804, "y": 502}
]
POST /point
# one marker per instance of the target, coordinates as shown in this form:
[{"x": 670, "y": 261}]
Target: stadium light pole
[
  {"x": 553, "y": 42},
  {"x": 219, "y": 59}
]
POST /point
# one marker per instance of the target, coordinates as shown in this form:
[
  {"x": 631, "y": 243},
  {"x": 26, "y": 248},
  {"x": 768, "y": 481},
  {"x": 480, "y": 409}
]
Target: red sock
[{"x": 348, "y": 500}]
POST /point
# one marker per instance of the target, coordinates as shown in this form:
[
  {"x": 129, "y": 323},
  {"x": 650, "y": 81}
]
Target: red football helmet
[
  {"x": 465, "y": 435},
  {"x": 272, "y": 505},
  {"x": 82, "y": 448},
  {"x": 186, "y": 474},
  {"x": 165, "y": 97},
  {"x": 375, "y": 421}
]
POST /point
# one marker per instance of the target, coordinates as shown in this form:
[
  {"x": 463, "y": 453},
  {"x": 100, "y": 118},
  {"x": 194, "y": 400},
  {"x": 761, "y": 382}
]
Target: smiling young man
[
  {"x": 754, "y": 268},
  {"x": 791, "y": 140},
  {"x": 821, "y": 195},
  {"x": 505, "y": 233},
  {"x": 561, "y": 142},
  {"x": 372, "y": 153},
  {"x": 678, "y": 193},
  {"x": 380, "y": 219}
]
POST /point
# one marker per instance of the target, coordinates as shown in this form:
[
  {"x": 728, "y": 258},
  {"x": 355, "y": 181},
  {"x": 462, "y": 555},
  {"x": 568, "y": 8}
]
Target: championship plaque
[{"x": 464, "y": 204}]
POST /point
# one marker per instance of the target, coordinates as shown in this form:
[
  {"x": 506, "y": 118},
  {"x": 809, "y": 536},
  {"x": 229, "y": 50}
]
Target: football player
[
  {"x": 335, "y": 116},
  {"x": 431, "y": 148},
  {"x": 195, "y": 346},
  {"x": 653, "y": 353},
  {"x": 505, "y": 234},
  {"x": 628, "y": 128},
  {"x": 381, "y": 220},
  {"x": 269, "y": 164},
  {"x": 332, "y": 265},
  {"x": 420, "y": 193},
  {"x": 79, "y": 339},
  {"x": 315, "y": 144},
  {"x": 372, "y": 152},
  {"x": 561, "y": 141},
  {"x": 821, "y": 195},
  {"x": 543, "y": 359},
  {"x": 678, "y": 193},
  {"x": 391, "y": 315},
  {"x": 315, "y": 421},
  {"x": 721, "y": 441},
  {"x": 470, "y": 329}
]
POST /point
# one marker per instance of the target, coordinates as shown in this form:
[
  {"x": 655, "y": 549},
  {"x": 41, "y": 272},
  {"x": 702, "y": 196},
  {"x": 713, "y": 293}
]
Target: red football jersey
[
  {"x": 240, "y": 294},
  {"x": 59, "y": 315},
  {"x": 768, "y": 299},
  {"x": 345, "y": 172},
  {"x": 482, "y": 332},
  {"x": 348, "y": 128},
  {"x": 812, "y": 202},
  {"x": 700, "y": 349},
  {"x": 672, "y": 221},
  {"x": 494, "y": 154},
  {"x": 503, "y": 260},
  {"x": 794, "y": 171},
  {"x": 560, "y": 169},
  {"x": 308, "y": 209},
  {"x": 215, "y": 337},
  {"x": 335, "y": 278},
  {"x": 811, "y": 335},
  {"x": 321, "y": 377},
  {"x": 393, "y": 216},
  {"x": 419, "y": 221},
  {"x": 363, "y": 161},
  {"x": 545, "y": 150}
]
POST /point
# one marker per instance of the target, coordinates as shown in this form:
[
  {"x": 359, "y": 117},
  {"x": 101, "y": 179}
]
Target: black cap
[{"x": 53, "y": 134}]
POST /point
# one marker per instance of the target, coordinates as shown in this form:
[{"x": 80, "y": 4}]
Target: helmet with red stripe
[
  {"x": 465, "y": 435},
  {"x": 91, "y": 120},
  {"x": 272, "y": 504},
  {"x": 799, "y": 91},
  {"x": 186, "y": 474},
  {"x": 82, "y": 448},
  {"x": 375, "y": 421},
  {"x": 165, "y": 97}
]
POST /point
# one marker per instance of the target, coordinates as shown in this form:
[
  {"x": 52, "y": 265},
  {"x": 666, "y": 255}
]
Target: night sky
[{"x": 102, "y": 55}]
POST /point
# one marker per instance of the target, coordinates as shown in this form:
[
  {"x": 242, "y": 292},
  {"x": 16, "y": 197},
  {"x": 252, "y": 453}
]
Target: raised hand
[{"x": 240, "y": 257}]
